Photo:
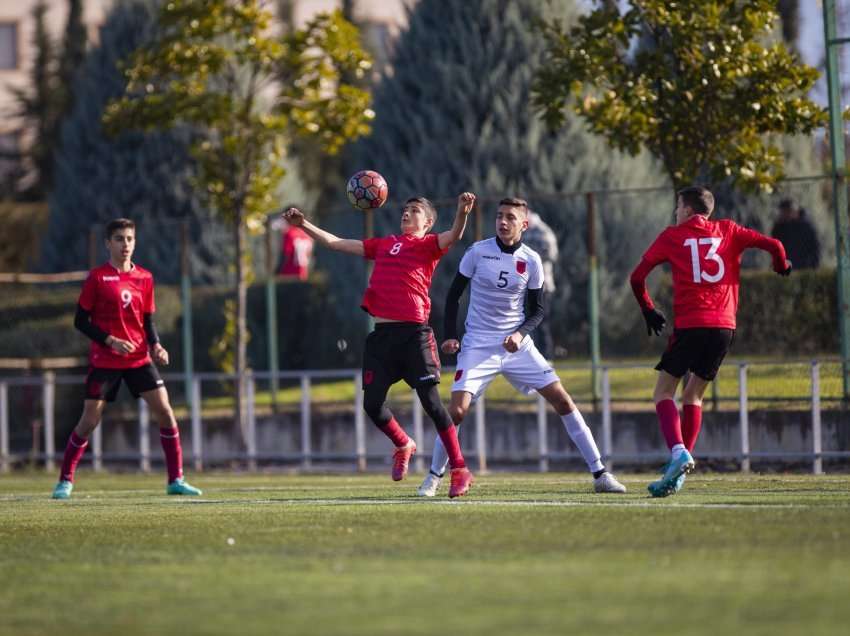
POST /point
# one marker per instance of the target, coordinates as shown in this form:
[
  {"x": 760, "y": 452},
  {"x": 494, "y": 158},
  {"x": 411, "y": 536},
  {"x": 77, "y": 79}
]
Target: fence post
[
  {"x": 4, "y": 427},
  {"x": 418, "y": 433},
  {"x": 542, "y": 436},
  {"x": 49, "y": 399},
  {"x": 306, "y": 424},
  {"x": 97, "y": 447},
  {"x": 271, "y": 311},
  {"x": 197, "y": 438},
  {"x": 593, "y": 297},
  {"x": 144, "y": 437},
  {"x": 359, "y": 423},
  {"x": 251, "y": 416},
  {"x": 186, "y": 302},
  {"x": 606, "y": 419},
  {"x": 744, "y": 417},
  {"x": 481, "y": 434},
  {"x": 817, "y": 438}
]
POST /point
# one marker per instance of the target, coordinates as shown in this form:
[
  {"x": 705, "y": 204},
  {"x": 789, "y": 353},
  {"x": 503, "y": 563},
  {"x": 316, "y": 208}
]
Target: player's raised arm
[
  {"x": 465, "y": 203},
  {"x": 295, "y": 217}
]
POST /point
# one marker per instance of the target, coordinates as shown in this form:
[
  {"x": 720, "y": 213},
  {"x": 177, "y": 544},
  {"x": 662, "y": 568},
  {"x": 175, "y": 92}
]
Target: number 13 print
[{"x": 699, "y": 273}]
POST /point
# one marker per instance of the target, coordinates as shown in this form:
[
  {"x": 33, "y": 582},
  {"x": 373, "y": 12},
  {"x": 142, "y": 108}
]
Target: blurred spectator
[
  {"x": 798, "y": 235},
  {"x": 296, "y": 251},
  {"x": 542, "y": 240}
]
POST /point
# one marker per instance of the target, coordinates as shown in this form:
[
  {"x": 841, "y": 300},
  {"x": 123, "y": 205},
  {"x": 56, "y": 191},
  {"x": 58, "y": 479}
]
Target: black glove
[
  {"x": 786, "y": 271},
  {"x": 655, "y": 321}
]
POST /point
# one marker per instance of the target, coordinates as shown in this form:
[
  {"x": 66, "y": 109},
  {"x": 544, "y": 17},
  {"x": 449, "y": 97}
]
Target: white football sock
[
  {"x": 440, "y": 458},
  {"x": 579, "y": 432},
  {"x": 677, "y": 450}
]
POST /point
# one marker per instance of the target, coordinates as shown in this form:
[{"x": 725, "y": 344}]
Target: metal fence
[{"x": 812, "y": 396}]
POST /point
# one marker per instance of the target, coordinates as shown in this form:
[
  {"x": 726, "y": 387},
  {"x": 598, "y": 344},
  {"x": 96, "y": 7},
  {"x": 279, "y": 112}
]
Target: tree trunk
[{"x": 240, "y": 353}]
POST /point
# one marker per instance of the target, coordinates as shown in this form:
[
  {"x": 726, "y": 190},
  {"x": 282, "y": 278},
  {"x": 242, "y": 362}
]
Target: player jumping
[
  {"x": 504, "y": 273},
  {"x": 705, "y": 257},
  {"x": 115, "y": 311},
  {"x": 402, "y": 346}
]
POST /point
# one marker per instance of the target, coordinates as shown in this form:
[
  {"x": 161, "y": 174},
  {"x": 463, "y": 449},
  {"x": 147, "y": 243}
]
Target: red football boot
[
  {"x": 461, "y": 481},
  {"x": 401, "y": 459}
]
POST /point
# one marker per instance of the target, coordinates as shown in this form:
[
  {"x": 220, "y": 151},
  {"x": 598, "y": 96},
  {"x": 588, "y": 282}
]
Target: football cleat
[
  {"x": 180, "y": 487},
  {"x": 606, "y": 482},
  {"x": 401, "y": 459},
  {"x": 63, "y": 490},
  {"x": 430, "y": 485},
  {"x": 674, "y": 476},
  {"x": 461, "y": 481}
]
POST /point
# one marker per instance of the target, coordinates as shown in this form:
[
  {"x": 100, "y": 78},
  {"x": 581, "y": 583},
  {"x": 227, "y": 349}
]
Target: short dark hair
[
  {"x": 117, "y": 224},
  {"x": 698, "y": 199},
  {"x": 515, "y": 202},
  {"x": 430, "y": 210}
]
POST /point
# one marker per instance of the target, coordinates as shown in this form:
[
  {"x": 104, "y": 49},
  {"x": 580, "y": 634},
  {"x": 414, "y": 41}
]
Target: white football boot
[
  {"x": 430, "y": 485},
  {"x": 606, "y": 482}
]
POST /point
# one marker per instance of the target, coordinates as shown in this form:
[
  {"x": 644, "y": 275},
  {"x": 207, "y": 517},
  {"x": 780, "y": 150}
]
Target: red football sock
[
  {"x": 668, "y": 418},
  {"x": 73, "y": 454},
  {"x": 691, "y": 424},
  {"x": 395, "y": 432},
  {"x": 170, "y": 440},
  {"x": 450, "y": 442}
]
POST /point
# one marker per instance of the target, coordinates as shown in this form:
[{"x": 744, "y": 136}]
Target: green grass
[
  {"x": 523, "y": 554},
  {"x": 766, "y": 382}
]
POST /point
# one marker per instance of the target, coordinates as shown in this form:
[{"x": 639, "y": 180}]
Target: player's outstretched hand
[
  {"x": 160, "y": 355},
  {"x": 465, "y": 202},
  {"x": 785, "y": 271},
  {"x": 512, "y": 342},
  {"x": 655, "y": 321},
  {"x": 450, "y": 346},
  {"x": 294, "y": 216},
  {"x": 121, "y": 346}
]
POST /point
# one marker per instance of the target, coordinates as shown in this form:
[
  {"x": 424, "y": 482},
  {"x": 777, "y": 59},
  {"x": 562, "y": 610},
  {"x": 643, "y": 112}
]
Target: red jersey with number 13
[
  {"x": 118, "y": 302},
  {"x": 705, "y": 257},
  {"x": 404, "y": 265}
]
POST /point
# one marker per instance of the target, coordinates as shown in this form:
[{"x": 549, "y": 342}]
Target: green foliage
[
  {"x": 698, "y": 83},
  {"x": 219, "y": 67}
]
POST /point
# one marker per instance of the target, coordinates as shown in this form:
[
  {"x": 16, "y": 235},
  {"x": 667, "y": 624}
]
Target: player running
[
  {"x": 705, "y": 257},
  {"x": 504, "y": 273},
  {"x": 402, "y": 346},
  {"x": 115, "y": 311}
]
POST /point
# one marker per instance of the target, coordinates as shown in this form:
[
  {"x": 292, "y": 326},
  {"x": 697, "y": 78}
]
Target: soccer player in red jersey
[
  {"x": 402, "y": 346},
  {"x": 115, "y": 311},
  {"x": 705, "y": 257}
]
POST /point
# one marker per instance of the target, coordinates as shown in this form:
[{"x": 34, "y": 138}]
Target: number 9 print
[{"x": 126, "y": 298}]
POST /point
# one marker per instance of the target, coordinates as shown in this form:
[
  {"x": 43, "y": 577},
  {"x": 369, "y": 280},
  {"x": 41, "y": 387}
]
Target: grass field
[{"x": 523, "y": 554}]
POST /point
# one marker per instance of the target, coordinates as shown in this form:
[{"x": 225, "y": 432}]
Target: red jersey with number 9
[
  {"x": 705, "y": 257},
  {"x": 404, "y": 265},
  {"x": 118, "y": 302}
]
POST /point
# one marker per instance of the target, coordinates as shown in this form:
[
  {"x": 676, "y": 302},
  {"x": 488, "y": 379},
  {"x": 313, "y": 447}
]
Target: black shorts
[
  {"x": 699, "y": 350},
  {"x": 400, "y": 351},
  {"x": 103, "y": 384}
]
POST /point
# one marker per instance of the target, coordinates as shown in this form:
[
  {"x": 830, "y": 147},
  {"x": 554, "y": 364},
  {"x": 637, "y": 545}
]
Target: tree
[
  {"x": 703, "y": 90},
  {"x": 217, "y": 65},
  {"x": 456, "y": 114},
  {"x": 147, "y": 177}
]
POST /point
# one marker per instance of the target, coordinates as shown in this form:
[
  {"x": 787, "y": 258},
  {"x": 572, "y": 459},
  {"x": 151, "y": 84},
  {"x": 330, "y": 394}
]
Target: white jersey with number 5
[{"x": 498, "y": 284}]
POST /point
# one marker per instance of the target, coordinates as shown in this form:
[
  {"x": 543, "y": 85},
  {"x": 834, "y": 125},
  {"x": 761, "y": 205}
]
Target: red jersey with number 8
[
  {"x": 118, "y": 302},
  {"x": 404, "y": 265},
  {"x": 705, "y": 257}
]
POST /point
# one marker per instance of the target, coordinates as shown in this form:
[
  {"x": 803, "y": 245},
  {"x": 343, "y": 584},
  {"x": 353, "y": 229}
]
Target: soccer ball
[{"x": 367, "y": 189}]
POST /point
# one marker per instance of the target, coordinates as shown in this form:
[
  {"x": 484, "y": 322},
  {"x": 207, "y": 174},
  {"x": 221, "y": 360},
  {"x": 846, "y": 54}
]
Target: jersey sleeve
[
  {"x": 535, "y": 276},
  {"x": 89, "y": 292},
  {"x": 655, "y": 255},
  {"x": 745, "y": 238},
  {"x": 150, "y": 303},
  {"x": 434, "y": 246},
  {"x": 467, "y": 263},
  {"x": 370, "y": 248}
]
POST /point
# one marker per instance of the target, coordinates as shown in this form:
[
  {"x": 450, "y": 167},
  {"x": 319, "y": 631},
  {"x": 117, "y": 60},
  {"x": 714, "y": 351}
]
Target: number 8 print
[{"x": 126, "y": 297}]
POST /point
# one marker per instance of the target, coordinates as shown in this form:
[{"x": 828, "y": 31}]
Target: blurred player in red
[
  {"x": 402, "y": 346},
  {"x": 705, "y": 257},
  {"x": 295, "y": 250},
  {"x": 115, "y": 311}
]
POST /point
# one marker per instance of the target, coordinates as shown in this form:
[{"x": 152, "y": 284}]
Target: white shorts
[{"x": 527, "y": 370}]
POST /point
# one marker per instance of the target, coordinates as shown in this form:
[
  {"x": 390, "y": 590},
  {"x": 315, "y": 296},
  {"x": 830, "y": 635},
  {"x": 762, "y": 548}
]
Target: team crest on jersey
[
  {"x": 520, "y": 267},
  {"x": 458, "y": 374},
  {"x": 368, "y": 376}
]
